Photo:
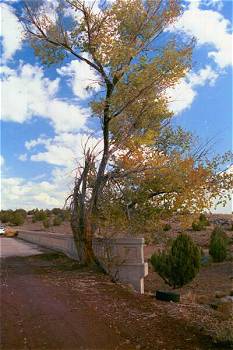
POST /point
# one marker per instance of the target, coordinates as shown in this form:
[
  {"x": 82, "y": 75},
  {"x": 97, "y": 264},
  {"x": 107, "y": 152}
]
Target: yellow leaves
[
  {"x": 135, "y": 71},
  {"x": 98, "y": 107},
  {"x": 157, "y": 186},
  {"x": 122, "y": 31}
]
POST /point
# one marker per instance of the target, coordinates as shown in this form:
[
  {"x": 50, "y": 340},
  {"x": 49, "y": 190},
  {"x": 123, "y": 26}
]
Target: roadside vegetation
[
  {"x": 218, "y": 245},
  {"x": 18, "y": 217},
  {"x": 13, "y": 217},
  {"x": 180, "y": 264}
]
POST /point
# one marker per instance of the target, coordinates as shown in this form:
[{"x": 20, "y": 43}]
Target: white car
[{"x": 2, "y": 230}]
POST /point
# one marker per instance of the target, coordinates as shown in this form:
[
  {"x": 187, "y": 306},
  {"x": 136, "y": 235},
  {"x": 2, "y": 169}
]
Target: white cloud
[
  {"x": 80, "y": 76},
  {"x": 228, "y": 207},
  {"x": 11, "y": 32},
  {"x": 10, "y": 1},
  {"x": 20, "y": 193},
  {"x": 27, "y": 93},
  {"x": 210, "y": 28},
  {"x": 66, "y": 116},
  {"x": 23, "y": 157},
  {"x": 65, "y": 149},
  {"x": 207, "y": 3},
  {"x": 4, "y": 70},
  {"x": 55, "y": 155},
  {"x": 33, "y": 143},
  {"x": 220, "y": 209},
  {"x": 203, "y": 76},
  {"x": 183, "y": 94},
  {"x": 47, "y": 200},
  {"x": 215, "y": 3},
  {"x": 2, "y": 160}
]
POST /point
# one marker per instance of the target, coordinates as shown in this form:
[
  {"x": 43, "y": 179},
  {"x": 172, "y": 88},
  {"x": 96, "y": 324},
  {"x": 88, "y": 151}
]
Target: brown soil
[
  {"x": 201, "y": 237},
  {"x": 212, "y": 278},
  {"x": 202, "y": 290},
  {"x": 55, "y": 304},
  {"x": 64, "y": 228},
  {"x": 50, "y": 302}
]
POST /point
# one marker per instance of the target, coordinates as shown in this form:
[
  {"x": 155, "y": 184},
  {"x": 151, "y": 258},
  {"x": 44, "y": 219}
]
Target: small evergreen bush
[
  {"x": 198, "y": 226},
  {"x": 57, "y": 221},
  {"x": 46, "y": 223},
  {"x": 203, "y": 219},
  {"x": 167, "y": 227},
  {"x": 180, "y": 264},
  {"x": 201, "y": 223},
  {"x": 39, "y": 215},
  {"x": 17, "y": 219},
  {"x": 218, "y": 245}
]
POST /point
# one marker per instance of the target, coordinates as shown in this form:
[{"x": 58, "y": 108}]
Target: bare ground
[
  {"x": 51, "y": 302},
  {"x": 130, "y": 320}
]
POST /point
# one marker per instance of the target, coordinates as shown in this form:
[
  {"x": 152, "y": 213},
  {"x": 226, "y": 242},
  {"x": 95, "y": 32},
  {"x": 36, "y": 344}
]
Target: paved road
[{"x": 10, "y": 247}]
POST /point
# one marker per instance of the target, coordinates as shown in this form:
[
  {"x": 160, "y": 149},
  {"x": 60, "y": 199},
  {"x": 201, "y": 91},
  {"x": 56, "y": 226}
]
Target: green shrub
[
  {"x": 57, "y": 221},
  {"x": 198, "y": 226},
  {"x": 56, "y": 211},
  {"x": 6, "y": 216},
  {"x": 30, "y": 212},
  {"x": 167, "y": 227},
  {"x": 201, "y": 223},
  {"x": 223, "y": 336},
  {"x": 39, "y": 215},
  {"x": 13, "y": 217},
  {"x": 180, "y": 264},
  {"x": 17, "y": 219},
  {"x": 46, "y": 223},
  {"x": 218, "y": 245},
  {"x": 203, "y": 219},
  {"x": 21, "y": 212}
]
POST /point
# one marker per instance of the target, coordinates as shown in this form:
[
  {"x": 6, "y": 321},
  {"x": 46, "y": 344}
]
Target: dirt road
[
  {"x": 49, "y": 302},
  {"x": 38, "y": 315}
]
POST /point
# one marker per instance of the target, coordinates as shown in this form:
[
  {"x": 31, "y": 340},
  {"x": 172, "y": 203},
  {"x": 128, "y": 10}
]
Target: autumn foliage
[{"x": 146, "y": 169}]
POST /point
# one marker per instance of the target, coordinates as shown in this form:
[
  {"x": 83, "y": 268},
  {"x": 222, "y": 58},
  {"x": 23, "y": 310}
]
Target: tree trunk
[
  {"x": 81, "y": 224},
  {"x": 83, "y": 234}
]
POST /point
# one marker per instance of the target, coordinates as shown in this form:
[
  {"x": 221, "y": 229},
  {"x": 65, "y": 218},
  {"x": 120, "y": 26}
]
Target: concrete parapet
[
  {"x": 122, "y": 258},
  {"x": 58, "y": 242}
]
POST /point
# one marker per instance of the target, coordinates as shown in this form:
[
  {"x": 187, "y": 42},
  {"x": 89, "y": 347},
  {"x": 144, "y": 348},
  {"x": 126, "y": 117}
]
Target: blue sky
[{"x": 45, "y": 115}]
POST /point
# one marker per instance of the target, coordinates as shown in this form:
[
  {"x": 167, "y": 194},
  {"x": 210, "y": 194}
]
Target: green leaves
[
  {"x": 218, "y": 245},
  {"x": 180, "y": 264}
]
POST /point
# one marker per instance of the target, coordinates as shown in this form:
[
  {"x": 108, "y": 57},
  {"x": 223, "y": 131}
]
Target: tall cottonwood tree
[{"x": 138, "y": 174}]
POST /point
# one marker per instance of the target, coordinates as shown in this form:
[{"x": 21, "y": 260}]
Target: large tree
[{"x": 145, "y": 168}]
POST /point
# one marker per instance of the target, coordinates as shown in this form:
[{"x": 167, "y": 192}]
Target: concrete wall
[
  {"x": 122, "y": 258},
  {"x": 58, "y": 242}
]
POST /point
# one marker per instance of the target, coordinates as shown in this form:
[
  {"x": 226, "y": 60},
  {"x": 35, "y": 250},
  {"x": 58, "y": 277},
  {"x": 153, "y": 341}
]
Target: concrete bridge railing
[{"x": 122, "y": 258}]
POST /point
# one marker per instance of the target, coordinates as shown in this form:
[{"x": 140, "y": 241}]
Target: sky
[{"x": 45, "y": 119}]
